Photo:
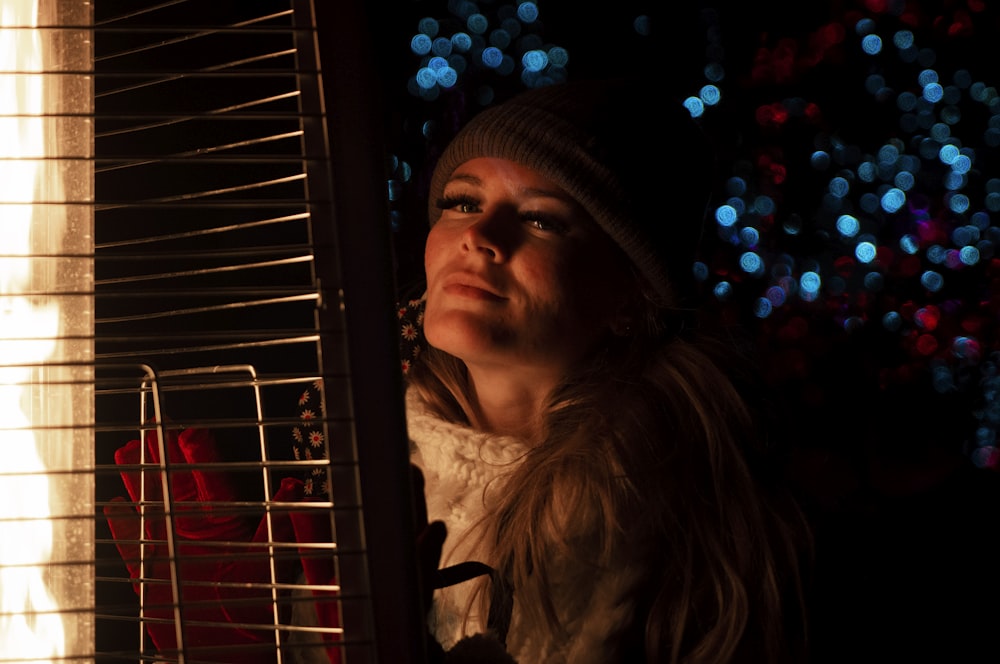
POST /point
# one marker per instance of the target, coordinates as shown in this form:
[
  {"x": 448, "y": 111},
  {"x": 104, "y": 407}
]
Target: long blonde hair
[{"x": 649, "y": 443}]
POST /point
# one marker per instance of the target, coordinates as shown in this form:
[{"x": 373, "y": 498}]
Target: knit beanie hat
[{"x": 633, "y": 158}]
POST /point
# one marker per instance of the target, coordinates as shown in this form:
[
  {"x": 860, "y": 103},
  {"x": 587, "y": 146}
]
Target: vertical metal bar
[
  {"x": 268, "y": 513},
  {"x": 170, "y": 526},
  {"x": 342, "y": 118}
]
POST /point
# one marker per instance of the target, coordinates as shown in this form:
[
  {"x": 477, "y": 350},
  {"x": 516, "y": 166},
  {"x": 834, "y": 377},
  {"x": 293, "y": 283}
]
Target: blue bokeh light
[
  {"x": 887, "y": 155},
  {"x": 893, "y": 200},
  {"x": 954, "y": 181},
  {"x": 695, "y": 106},
  {"x": 874, "y": 84},
  {"x": 927, "y": 77},
  {"x": 903, "y": 39},
  {"x": 904, "y": 180},
  {"x": 441, "y": 46},
  {"x": 776, "y": 295},
  {"x": 641, "y": 25},
  {"x": 710, "y": 94},
  {"x": 763, "y": 205},
  {"x": 461, "y": 42},
  {"x": 864, "y": 26},
  {"x": 700, "y": 271},
  {"x": 492, "y": 57},
  {"x": 866, "y": 171},
  {"x": 969, "y": 255},
  {"x": 429, "y": 26},
  {"x": 948, "y": 154},
  {"x": 421, "y": 44},
  {"x": 940, "y": 132},
  {"x": 749, "y": 236},
  {"x": 426, "y": 78},
  {"x": 558, "y": 56},
  {"x": 906, "y": 101},
  {"x": 527, "y": 12},
  {"x": 477, "y": 24},
  {"x": 820, "y": 160},
  {"x": 964, "y": 236},
  {"x": 933, "y": 92},
  {"x": 723, "y": 290},
  {"x": 512, "y": 27},
  {"x": 447, "y": 77},
  {"x": 958, "y": 203},
  {"x": 751, "y": 263},
  {"x": 868, "y": 202},
  {"x": 792, "y": 225},
  {"x": 736, "y": 186},
  {"x": 714, "y": 72},
  {"x": 726, "y": 216},
  {"x": 853, "y": 323},
  {"x": 810, "y": 282},
  {"x": 762, "y": 307},
  {"x": 848, "y": 225},
  {"x": 840, "y": 187},
  {"x": 932, "y": 281},
  {"x": 871, "y": 44},
  {"x": 865, "y": 252},
  {"x": 874, "y": 281},
  {"x": 535, "y": 60},
  {"x": 962, "y": 164},
  {"x": 500, "y": 38}
]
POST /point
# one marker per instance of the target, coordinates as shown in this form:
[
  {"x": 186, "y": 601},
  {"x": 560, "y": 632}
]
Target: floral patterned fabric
[
  {"x": 411, "y": 331},
  {"x": 308, "y": 441}
]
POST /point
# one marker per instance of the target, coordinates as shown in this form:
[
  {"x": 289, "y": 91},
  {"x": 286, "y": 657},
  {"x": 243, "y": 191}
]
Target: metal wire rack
[{"x": 221, "y": 159}]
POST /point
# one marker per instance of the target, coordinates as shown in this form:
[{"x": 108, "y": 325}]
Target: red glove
[
  {"x": 317, "y": 564},
  {"x": 224, "y": 571}
]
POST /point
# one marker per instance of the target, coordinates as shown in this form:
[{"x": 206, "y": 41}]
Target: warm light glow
[
  {"x": 43, "y": 517},
  {"x": 29, "y": 623}
]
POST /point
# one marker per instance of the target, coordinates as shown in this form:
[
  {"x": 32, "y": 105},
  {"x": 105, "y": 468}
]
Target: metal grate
[{"x": 229, "y": 175}]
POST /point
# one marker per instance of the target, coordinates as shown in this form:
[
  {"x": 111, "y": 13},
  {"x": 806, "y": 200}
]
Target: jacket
[{"x": 464, "y": 473}]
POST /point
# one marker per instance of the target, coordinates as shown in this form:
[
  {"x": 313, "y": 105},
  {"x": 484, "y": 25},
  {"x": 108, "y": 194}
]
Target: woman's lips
[
  {"x": 473, "y": 287},
  {"x": 472, "y": 292}
]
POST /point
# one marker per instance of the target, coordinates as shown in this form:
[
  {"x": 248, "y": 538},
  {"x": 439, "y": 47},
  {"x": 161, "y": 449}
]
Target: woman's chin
[{"x": 465, "y": 333}]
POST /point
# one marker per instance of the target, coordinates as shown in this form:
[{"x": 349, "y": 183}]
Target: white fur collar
[{"x": 463, "y": 471}]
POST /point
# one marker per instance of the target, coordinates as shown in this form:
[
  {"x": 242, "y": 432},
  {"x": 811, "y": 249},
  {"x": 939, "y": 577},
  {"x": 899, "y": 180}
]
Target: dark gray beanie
[{"x": 633, "y": 158}]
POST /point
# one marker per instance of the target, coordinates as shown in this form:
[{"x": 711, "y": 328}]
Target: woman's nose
[{"x": 488, "y": 234}]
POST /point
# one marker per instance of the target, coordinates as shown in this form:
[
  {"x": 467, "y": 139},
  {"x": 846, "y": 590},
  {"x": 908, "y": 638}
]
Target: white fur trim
[{"x": 462, "y": 469}]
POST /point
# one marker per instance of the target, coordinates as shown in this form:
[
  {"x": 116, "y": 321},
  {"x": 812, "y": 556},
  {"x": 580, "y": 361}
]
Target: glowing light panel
[{"x": 46, "y": 327}]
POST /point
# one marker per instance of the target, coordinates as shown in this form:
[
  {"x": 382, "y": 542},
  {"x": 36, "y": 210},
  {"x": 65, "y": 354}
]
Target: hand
[
  {"x": 476, "y": 649},
  {"x": 430, "y": 541},
  {"x": 224, "y": 569}
]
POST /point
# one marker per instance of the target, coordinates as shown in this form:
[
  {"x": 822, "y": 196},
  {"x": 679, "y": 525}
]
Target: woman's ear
[
  {"x": 626, "y": 320},
  {"x": 622, "y": 325}
]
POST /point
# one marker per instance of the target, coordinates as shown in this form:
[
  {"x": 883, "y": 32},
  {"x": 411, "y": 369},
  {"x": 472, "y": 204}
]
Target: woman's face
[{"x": 518, "y": 274}]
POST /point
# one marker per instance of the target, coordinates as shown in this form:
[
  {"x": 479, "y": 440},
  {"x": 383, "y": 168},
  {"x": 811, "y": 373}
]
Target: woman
[
  {"x": 581, "y": 436},
  {"x": 576, "y": 431}
]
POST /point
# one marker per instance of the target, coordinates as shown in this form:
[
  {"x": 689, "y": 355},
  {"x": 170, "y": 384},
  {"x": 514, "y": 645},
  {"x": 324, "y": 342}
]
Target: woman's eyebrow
[
  {"x": 536, "y": 192},
  {"x": 466, "y": 178},
  {"x": 531, "y": 192}
]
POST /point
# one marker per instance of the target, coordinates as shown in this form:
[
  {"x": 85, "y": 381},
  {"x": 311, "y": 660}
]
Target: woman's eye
[
  {"x": 461, "y": 204},
  {"x": 546, "y": 224}
]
